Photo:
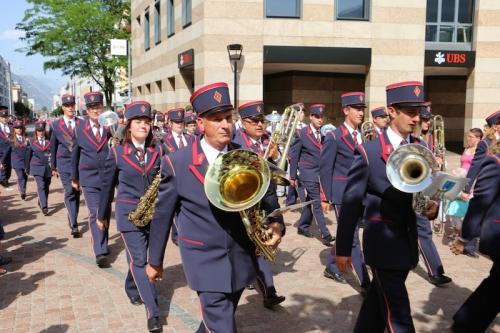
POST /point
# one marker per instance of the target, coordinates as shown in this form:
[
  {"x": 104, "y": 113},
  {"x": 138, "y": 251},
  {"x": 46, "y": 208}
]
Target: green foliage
[
  {"x": 75, "y": 37},
  {"x": 21, "y": 110},
  {"x": 56, "y": 112}
]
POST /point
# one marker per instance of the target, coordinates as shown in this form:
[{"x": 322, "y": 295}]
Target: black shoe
[
  {"x": 305, "y": 233},
  {"x": 23, "y": 196},
  {"x": 439, "y": 280},
  {"x": 45, "y": 211},
  {"x": 5, "y": 260},
  {"x": 327, "y": 240},
  {"x": 250, "y": 287},
  {"x": 135, "y": 300},
  {"x": 471, "y": 254},
  {"x": 75, "y": 233},
  {"x": 101, "y": 261},
  {"x": 154, "y": 325},
  {"x": 334, "y": 276},
  {"x": 270, "y": 302}
]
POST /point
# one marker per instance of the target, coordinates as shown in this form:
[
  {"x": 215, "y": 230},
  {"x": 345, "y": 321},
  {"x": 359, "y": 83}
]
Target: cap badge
[
  {"x": 361, "y": 98},
  {"x": 217, "y": 96},
  {"x": 143, "y": 108},
  {"x": 179, "y": 114},
  {"x": 417, "y": 91},
  {"x": 259, "y": 109},
  {"x": 92, "y": 98}
]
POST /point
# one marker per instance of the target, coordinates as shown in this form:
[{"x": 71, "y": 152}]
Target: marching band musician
[
  {"x": 177, "y": 139},
  {"x": 297, "y": 191},
  {"x": 39, "y": 165},
  {"x": 337, "y": 156},
  {"x": 426, "y": 246},
  {"x": 5, "y": 149},
  {"x": 131, "y": 167},
  {"x": 380, "y": 120},
  {"x": 390, "y": 235},
  {"x": 19, "y": 155},
  {"x": 217, "y": 255},
  {"x": 253, "y": 137},
  {"x": 190, "y": 125},
  {"x": 481, "y": 220},
  {"x": 88, "y": 157},
  {"x": 63, "y": 140},
  {"x": 304, "y": 159}
]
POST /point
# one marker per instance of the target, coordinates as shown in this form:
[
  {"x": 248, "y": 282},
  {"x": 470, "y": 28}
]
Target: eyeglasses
[{"x": 254, "y": 121}]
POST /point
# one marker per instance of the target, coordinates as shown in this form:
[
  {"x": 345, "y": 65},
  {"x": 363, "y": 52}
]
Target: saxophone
[{"x": 143, "y": 214}]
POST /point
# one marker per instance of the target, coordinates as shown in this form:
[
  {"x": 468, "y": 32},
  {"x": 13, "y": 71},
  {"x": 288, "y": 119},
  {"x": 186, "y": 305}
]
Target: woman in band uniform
[
  {"x": 20, "y": 151},
  {"x": 132, "y": 167}
]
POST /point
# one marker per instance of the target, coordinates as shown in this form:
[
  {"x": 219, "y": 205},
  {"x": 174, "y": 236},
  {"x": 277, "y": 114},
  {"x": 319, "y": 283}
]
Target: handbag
[{"x": 457, "y": 208}]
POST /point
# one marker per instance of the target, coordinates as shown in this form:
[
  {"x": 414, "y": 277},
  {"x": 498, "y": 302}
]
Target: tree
[
  {"x": 21, "y": 110},
  {"x": 75, "y": 36},
  {"x": 56, "y": 112}
]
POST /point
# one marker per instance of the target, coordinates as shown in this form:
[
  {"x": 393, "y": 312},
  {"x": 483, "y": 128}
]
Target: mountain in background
[{"x": 41, "y": 89}]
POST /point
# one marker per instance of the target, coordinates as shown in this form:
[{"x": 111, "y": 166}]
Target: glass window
[
  {"x": 448, "y": 11},
  {"x": 283, "y": 8},
  {"x": 352, "y": 9},
  {"x": 432, "y": 10},
  {"x": 449, "y": 21},
  {"x": 157, "y": 23},
  {"x": 186, "y": 12},
  {"x": 170, "y": 18},
  {"x": 146, "y": 30},
  {"x": 465, "y": 11}
]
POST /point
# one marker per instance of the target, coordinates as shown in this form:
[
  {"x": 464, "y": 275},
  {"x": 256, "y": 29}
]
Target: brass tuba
[
  {"x": 368, "y": 131},
  {"x": 238, "y": 180},
  {"x": 438, "y": 131}
]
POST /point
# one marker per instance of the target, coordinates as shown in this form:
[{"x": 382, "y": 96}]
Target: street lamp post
[{"x": 234, "y": 51}]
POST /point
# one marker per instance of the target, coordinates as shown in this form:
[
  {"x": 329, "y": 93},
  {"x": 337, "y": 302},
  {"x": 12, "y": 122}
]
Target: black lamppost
[{"x": 234, "y": 51}]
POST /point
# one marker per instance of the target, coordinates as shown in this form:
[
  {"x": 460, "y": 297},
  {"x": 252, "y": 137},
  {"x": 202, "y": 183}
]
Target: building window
[
  {"x": 157, "y": 22},
  {"x": 352, "y": 9},
  {"x": 170, "y": 18},
  {"x": 187, "y": 8},
  {"x": 146, "y": 30},
  {"x": 283, "y": 8},
  {"x": 449, "y": 21}
]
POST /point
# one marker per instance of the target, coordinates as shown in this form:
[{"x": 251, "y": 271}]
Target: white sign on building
[{"x": 119, "y": 47}]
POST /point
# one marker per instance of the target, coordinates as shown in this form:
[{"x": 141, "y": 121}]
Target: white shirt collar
[
  {"x": 394, "y": 138},
  {"x": 67, "y": 120},
  {"x": 210, "y": 152},
  {"x": 351, "y": 130},
  {"x": 313, "y": 129},
  {"x": 255, "y": 141},
  {"x": 378, "y": 129}
]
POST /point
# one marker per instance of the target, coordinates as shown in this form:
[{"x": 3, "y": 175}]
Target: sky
[{"x": 11, "y": 13}]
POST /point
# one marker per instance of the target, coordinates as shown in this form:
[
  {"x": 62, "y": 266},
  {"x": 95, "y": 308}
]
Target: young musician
[
  {"x": 39, "y": 165},
  {"x": 131, "y": 167},
  {"x": 19, "y": 155}
]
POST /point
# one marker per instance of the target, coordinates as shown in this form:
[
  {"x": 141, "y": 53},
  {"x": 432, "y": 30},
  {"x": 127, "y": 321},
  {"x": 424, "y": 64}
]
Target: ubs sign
[{"x": 450, "y": 58}]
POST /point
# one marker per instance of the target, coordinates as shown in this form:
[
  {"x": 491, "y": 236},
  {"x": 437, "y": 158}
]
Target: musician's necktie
[
  {"x": 98, "y": 132},
  {"x": 70, "y": 127},
  {"x": 140, "y": 155},
  {"x": 181, "y": 142},
  {"x": 404, "y": 142},
  {"x": 355, "y": 137},
  {"x": 318, "y": 136}
]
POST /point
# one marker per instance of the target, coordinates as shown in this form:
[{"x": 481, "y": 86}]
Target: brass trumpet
[{"x": 368, "y": 131}]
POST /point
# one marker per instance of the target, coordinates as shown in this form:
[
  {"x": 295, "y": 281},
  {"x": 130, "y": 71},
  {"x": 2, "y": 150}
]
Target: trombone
[{"x": 238, "y": 180}]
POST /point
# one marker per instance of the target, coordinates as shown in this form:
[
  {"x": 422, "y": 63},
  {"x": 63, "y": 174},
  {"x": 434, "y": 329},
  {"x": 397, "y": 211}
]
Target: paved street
[{"x": 53, "y": 284}]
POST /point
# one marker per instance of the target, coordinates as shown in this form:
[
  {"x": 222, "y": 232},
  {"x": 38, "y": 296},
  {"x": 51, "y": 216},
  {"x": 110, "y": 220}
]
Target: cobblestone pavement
[{"x": 53, "y": 284}]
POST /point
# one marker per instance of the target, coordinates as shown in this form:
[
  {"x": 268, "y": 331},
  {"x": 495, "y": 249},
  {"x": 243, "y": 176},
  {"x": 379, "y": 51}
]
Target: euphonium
[
  {"x": 143, "y": 213},
  {"x": 410, "y": 169},
  {"x": 368, "y": 131},
  {"x": 438, "y": 131},
  {"x": 238, "y": 180}
]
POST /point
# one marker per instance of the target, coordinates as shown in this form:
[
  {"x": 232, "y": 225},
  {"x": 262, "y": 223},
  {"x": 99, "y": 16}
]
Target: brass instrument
[
  {"x": 438, "y": 131},
  {"x": 368, "y": 131},
  {"x": 238, "y": 180},
  {"x": 110, "y": 119},
  {"x": 325, "y": 129},
  {"x": 410, "y": 169},
  {"x": 274, "y": 118},
  {"x": 142, "y": 215}
]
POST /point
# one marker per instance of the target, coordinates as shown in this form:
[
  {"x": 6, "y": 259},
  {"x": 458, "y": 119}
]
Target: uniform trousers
[
  {"x": 386, "y": 305},
  {"x": 42, "y": 187},
  {"x": 5, "y": 173},
  {"x": 137, "y": 282},
  {"x": 71, "y": 199},
  {"x": 217, "y": 310},
  {"x": 22, "y": 178},
  {"x": 313, "y": 193},
  {"x": 293, "y": 193},
  {"x": 427, "y": 247},
  {"x": 265, "y": 277},
  {"x": 99, "y": 237},
  {"x": 482, "y": 306}
]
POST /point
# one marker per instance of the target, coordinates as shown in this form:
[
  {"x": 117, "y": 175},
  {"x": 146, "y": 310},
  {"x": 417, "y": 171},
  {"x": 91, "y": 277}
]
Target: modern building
[
  {"x": 5, "y": 82},
  {"x": 18, "y": 94},
  {"x": 314, "y": 50}
]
